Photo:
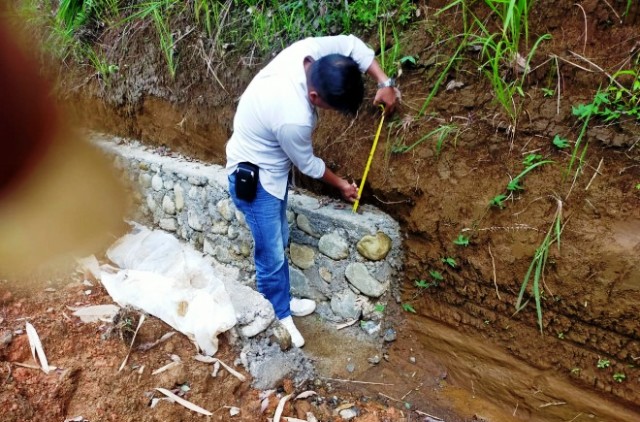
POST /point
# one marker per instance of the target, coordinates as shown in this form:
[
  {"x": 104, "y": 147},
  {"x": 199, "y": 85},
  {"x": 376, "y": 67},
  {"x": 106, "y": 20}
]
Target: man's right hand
[{"x": 349, "y": 191}]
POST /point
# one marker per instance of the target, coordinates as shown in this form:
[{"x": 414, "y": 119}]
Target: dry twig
[
  {"x": 613, "y": 10},
  {"x": 495, "y": 278},
  {"x": 597, "y": 172},
  {"x": 355, "y": 382},
  {"x": 584, "y": 44}
]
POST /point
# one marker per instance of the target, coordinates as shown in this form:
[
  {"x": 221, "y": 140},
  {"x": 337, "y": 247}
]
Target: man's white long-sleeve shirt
[{"x": 274, "y": 120}]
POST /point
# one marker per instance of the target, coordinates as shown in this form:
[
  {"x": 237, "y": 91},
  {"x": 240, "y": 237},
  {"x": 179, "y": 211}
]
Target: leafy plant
[
  {"x": 548, "y": 92},
  {"x": 514, "y": 184},
  {"x": 445, "y": 72},
  {"x": 160, "y": 12},
  {"x": 619, "y": 377},
  {"x": 424, "y": 284},
  {"x": 584, "y": 112},
  {"x": 379, "y": 307},
  {"x": 603, "y": 363},
  {"x": 74, "y": 14},
  {"x": 531, "y": 159},
  {"x": 535, "y": 273},
  {"x": 616, "y": 101},
  {"x": 388, "y": 57},
  {"x": 559, "y": 142},
  {"x": 441, "y": 133},
  {"x": 449, "y": 261},
  {"x": 409, "y": 59},
  {"x": 436, "y": 275},
  {"x": 498, "y": 201},
  {"x": 408, "y": 308},
  {"x": 503, "y": 65},
  {"x": 461, "y": 240},
  {"x": 98, "y": 60}
]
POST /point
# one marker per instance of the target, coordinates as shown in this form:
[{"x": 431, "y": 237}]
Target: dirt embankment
[{"x": 591, "y": 286}]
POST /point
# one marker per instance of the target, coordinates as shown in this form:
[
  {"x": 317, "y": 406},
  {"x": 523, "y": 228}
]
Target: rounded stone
[
  {"x": 145, "y": 180},
  {"x": 151, "y": 203},
  {"x": 193, "y": 220},
  {"x": 168, "y": 224},
  {"x": 156, "y": 182},
  {"x": 325, "y": 274},
  {"x": 345, "y": 305},
  {"x": 334, "y": 246},
  {"x": 168, "y": 205},
  {"x": 179, "y": 194},
  {"x": 245, "y": 249},
  {"x": 375, "y": 247},
  {"x": 220, "y": 227},
  {"x": 359, "y": 277},
  {"x": 226, "y": 209},
  {"x": 302, "y": 256},
  {"x": 305, "y": 225}
]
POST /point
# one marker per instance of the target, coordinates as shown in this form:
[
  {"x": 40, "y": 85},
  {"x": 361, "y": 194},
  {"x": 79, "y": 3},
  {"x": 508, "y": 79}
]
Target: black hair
[{"x": 338, "y": 81}]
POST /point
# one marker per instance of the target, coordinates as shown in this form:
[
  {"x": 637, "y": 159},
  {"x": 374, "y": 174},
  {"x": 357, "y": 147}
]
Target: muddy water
[{"x": 435, "y": 369}]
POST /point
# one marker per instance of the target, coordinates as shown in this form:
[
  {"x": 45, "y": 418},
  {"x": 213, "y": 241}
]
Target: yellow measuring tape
[{"x": 368, "y": 166}]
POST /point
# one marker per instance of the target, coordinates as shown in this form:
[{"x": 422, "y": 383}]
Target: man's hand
[
  {"x": 389, "y": 96},
  {"x": 349, "y": 191}
]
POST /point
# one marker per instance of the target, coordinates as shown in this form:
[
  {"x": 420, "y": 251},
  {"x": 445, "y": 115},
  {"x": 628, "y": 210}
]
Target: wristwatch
[{"x": 388, "y": 83}]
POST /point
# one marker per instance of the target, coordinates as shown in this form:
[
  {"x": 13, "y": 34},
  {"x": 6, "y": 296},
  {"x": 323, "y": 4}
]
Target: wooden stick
[
  {"x": 597, "y": 172},
  {"x": 613, "y": 10},
  {"x": 558, "y": 85},
  {"x": 495, "y": 279},
  {"x": 355, "y": 382},
  {"x": 126, "y": 358},
  {"x": 611, "y": 78},
  {"x": 420, "y": 412},
  {"x": 584, "y": 44},
  {"x": 554, "y": 403}
]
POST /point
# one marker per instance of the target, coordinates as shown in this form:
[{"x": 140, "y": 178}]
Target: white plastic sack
[{"x": 171, "y": 281}]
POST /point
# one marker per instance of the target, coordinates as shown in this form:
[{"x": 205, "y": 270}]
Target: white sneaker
[
  {"x": 301, "y": 307},
  {"x": 296, "y": 338}
]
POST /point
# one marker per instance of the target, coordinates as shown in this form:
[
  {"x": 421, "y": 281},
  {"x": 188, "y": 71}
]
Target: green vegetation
[
  {"x": 408, "y": 308},
  {"x": 449, "y": 261},
  {"x": 423, "y": 284},
  {"x": 560, "y": 143},
  {"x": 619, "y": 377},
  {"x": 515, "y": 185},
  {"x": 436, "y": 275},
  {"x": 548, "y": 92},
  {"x": 441, "y": 133},
  {"x": 615, "y": 102},
  {"x": 498, "y": 201},
  {"x": 535, "y": 273},
  {"x": 531, "y": 159},
  {"x": 259, "y": 26},
  {"x": 461, "y": 240},
  {"x": 501, "y": 47},
  {"x": 603, "y": 363}
]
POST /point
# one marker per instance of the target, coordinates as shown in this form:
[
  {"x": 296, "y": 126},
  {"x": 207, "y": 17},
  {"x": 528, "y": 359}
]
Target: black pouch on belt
[{"x": 246, "y": 181}]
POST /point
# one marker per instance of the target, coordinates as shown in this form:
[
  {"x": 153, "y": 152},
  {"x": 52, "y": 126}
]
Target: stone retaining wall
[{"x": 346, "y": 262}]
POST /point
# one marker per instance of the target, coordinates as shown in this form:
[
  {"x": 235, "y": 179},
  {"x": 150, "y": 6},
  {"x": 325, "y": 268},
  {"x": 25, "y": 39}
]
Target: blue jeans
[{"x": 266, "y": 217}]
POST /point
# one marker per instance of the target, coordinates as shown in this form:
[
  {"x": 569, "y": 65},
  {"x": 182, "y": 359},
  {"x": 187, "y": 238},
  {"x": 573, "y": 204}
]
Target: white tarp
[{"x": 172, "y": 281}]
